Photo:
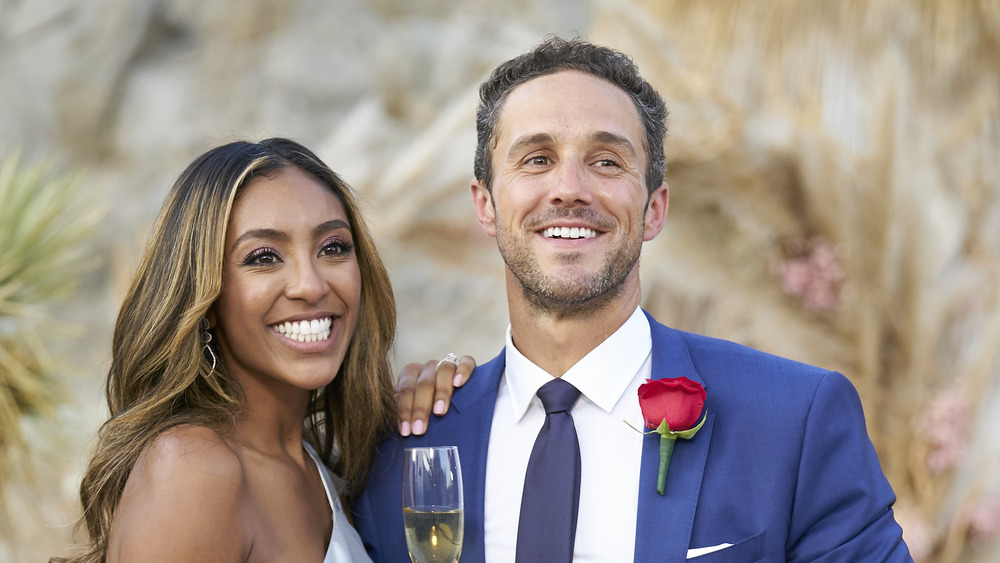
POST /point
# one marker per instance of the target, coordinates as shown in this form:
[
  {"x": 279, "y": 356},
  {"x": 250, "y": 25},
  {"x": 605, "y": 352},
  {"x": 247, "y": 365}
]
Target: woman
[{"x": 261, "y": 311}]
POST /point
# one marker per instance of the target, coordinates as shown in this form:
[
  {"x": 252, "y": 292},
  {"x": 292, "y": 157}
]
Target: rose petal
[{"x": 677, "y": 400}]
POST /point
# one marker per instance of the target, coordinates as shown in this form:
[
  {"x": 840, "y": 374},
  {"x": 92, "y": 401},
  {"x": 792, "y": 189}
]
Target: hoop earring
[{"x": 206, "y": 337}]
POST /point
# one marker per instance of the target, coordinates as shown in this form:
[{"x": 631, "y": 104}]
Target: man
[{"x": 569, "y": 180}]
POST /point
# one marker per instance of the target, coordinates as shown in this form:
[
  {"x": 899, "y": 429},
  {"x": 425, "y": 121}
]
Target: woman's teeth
[
  {"x": 568, "y": 232},
  {"x": 306, "y": 331}
]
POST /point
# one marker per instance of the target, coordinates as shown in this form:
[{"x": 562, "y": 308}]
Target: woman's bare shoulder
[
  {"x": 185, "y": 492},
  {"x": 190, "y": 452}
]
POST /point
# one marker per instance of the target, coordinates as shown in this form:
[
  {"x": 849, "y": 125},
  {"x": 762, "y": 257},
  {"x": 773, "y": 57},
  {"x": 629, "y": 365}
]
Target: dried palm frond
[{"x": 866, "y": 132}]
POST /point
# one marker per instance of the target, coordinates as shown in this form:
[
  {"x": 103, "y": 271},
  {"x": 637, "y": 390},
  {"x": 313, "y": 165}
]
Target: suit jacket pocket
[{"x": 745, "y": 551}]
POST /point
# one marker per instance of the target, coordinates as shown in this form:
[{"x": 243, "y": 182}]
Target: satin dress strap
[{"x": 345, "y": 543}]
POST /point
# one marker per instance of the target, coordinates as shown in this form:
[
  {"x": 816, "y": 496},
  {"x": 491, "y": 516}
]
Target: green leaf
[
  {"x": 44, "y": 231},
  {"x": 687, "y": 434}
]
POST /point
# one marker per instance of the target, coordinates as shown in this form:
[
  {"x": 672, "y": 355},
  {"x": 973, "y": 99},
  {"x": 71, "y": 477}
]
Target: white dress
[{"x": 345, "y": 543}]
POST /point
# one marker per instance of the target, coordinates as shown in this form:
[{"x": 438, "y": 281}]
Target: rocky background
[{"x": 834, "y": 171}]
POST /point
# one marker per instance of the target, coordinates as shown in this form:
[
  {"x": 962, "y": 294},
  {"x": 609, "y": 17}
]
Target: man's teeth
[
  {"x": 568, "y": 232},
  {"x": 306, "y": 331}
]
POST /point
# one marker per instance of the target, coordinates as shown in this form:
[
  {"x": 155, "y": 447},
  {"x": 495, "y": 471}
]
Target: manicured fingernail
[
  {"x": 439, "y": 407},
  {"x": 404, "y": 428},
  {"x": 457, "y": 382},
  {"x": 418, "y": 427}
]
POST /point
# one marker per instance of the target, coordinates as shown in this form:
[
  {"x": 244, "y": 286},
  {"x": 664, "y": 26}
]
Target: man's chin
[{"x": 580, "y": 298}]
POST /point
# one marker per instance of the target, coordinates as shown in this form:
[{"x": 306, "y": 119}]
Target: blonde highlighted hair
[{"x": 159, "y": 361}]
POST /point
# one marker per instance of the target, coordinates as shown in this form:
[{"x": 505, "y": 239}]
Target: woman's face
[{"x": 291, "y": 287}]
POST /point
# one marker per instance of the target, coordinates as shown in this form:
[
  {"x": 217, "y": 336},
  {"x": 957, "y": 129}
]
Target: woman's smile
[{"x": 314, "y": 330}]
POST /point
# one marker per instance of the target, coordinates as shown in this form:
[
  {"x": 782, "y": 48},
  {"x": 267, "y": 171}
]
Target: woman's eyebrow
[
  {"x": 263, "y": 233},
  {"x": 281, "y": 236},
  {"x": 331, "y": 225}
]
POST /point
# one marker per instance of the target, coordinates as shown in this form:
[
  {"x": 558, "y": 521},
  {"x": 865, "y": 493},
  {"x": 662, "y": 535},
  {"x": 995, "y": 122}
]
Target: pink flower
[
  {"x": 917, "y": 533},
  {"x": 946, "y": 424},
  {"x": 984, "y": 517},
  {"x": 812, "y": 273}
]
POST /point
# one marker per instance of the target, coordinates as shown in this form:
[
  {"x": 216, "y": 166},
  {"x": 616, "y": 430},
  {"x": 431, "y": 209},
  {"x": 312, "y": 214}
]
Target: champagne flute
[{"x": 433, "y": 504}]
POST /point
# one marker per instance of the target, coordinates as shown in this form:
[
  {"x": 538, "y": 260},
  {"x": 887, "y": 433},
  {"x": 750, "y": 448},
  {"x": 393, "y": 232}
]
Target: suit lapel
[
  {"x": 664, "y": 523},
  {"x": 471, "y": 433}
]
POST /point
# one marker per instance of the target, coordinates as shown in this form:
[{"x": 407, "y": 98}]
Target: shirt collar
[{"x": 602, "y": 375}]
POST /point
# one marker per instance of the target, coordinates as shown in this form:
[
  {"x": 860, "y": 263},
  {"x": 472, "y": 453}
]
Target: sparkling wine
[{"x": 434, "y": 536}]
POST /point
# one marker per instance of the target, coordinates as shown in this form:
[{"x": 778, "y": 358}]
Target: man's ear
[
  {"x": 656, "y": 212},
  {"x": 482, "y": 200}
]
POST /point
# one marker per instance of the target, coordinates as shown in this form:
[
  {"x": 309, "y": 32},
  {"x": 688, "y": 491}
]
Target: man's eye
[
  {"x": 606, "y": 162},
  {"x": 538, "y": 160}
]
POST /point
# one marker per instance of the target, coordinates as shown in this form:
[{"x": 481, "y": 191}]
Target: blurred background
[{"x": 835, "y": 198}]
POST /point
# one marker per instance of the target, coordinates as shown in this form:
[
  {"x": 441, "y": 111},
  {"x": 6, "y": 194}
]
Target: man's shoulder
[
  {"x": 482, "y": 385},
  {"x": 708, "y": 352},
  {"x": 733, "y": 372}
]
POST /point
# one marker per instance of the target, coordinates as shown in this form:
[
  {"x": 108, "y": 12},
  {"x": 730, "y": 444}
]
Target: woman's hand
[{"x": 421, "y": 388}]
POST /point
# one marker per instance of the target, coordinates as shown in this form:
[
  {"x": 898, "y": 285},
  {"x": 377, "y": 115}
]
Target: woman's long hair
[{"x": 161, "y": 375}]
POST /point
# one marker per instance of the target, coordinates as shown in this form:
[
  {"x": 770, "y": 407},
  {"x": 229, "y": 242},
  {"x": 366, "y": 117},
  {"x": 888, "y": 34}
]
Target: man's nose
[{"x": 571, "y": 185}]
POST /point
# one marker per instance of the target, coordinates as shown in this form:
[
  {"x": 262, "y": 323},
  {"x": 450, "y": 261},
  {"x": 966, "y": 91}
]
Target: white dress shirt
[{"x": 608, "y": 379}]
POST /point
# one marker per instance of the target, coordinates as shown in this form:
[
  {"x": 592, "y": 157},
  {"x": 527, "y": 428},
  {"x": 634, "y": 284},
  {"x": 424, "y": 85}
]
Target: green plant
[{"x": 43, "y": 231}]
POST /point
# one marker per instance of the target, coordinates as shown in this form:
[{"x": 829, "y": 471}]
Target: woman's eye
[
  {"x": 262, "y": 256},
  {"x": 336, "y": 247}
]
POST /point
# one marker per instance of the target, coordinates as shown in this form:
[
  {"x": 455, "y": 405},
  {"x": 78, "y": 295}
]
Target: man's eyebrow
[
  {"x": 608, "y": 138},
  {"x": 601, "y": 137},
  {"x": 529, "y": 141}
]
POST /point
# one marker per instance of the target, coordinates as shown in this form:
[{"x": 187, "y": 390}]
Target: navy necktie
[{"x": 546, "y": 530}]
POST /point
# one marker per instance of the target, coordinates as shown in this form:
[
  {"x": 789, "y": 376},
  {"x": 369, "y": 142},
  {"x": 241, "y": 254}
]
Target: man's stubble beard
[{"x": 562, "y": 297}]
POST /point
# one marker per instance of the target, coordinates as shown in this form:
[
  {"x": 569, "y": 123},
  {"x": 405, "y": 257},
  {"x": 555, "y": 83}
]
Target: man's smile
[{"x": 569, "y": 232}]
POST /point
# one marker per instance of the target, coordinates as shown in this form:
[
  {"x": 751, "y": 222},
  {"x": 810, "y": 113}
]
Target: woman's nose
[{"x": 307, "y": 283}]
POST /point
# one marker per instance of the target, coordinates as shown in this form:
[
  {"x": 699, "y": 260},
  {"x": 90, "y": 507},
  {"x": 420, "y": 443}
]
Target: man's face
[{"x": 568, "y": 204}]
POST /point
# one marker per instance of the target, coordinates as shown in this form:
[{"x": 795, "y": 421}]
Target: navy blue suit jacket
[{"x": 783, "y": 468}]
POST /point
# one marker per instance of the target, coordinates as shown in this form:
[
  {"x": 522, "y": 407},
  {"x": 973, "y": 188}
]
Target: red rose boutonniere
[{"x": 671, "y": 408}]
